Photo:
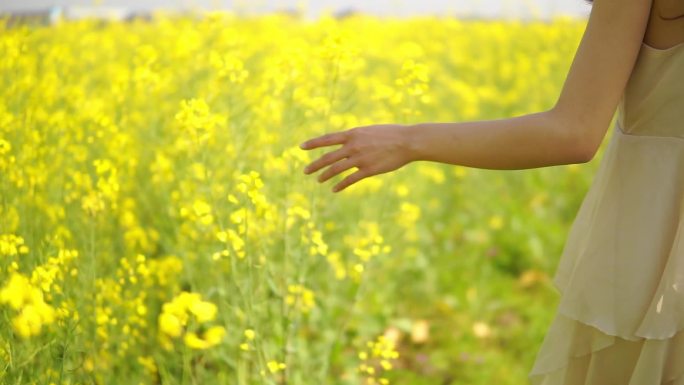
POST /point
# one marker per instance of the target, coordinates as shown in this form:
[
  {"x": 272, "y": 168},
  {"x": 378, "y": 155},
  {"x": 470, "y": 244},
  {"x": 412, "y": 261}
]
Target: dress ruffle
[
  {"x": 574, "y": 353},
  {"x": 620, "y": 319},
  {"x": 622, "y": 268}
]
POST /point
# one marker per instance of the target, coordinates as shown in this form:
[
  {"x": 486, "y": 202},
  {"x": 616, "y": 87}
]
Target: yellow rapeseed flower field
[{"x": 156, "y": 226}]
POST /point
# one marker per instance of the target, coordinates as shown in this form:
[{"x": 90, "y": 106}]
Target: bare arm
[
  {"x": 572, "y": 131},
  {"x": 528, "y": 141}
]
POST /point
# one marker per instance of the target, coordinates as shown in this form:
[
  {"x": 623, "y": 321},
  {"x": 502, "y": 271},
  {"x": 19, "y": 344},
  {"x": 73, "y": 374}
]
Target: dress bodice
[{"x": 653, "y": 99}]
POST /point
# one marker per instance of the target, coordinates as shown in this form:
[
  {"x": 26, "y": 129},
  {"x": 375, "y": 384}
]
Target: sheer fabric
[{"x": 620, "y": 319}]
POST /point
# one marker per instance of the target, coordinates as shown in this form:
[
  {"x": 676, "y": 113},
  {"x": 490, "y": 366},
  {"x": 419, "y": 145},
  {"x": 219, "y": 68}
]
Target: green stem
[
  {"x": 93, "y": 282},
  {"x": 348, "y": 314}
]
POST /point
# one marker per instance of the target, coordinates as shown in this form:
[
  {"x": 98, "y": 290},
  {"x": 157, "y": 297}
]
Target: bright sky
[{"x": 399, "y": 8}]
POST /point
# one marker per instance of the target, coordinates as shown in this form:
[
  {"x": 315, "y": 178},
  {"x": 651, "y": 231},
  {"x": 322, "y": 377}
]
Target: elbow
[
  {"x": 587, "y": 143},
  {"x": 578, "y": 144},
  {"x": 573, "y": 147},
  {"x": 584, "y": 153}
]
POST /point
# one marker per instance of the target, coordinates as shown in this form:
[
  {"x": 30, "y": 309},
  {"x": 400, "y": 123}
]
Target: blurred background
[
  {"x": 121, "y": 9},
  {"x": 157, "y": 227}
]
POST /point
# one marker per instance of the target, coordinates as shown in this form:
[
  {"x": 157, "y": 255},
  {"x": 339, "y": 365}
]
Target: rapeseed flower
[
  {"x": 32, "y": 311},
  {"x": 183, "y": 315}
]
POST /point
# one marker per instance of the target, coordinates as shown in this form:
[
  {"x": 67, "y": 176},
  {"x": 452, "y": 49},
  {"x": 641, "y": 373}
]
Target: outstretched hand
[{"x": 373, "y": 150}]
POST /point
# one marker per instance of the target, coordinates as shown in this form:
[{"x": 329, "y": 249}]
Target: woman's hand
[{"x": 373, "y": 150}]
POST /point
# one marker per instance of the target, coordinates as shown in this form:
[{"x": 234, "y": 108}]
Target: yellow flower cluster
[
  {"x": 5, "y": 150},
  {"x": 300, "y": 297},
  {"x": 137, "y": 237},
  {"x": 104, "y": 190},
  {"x": 273, "y": 367},
  {"x": 121, "y": 310},
  {"x": 368, "y": 244},
  {"x": 232, "y": 238},
  {"x": 183, "y": 316},
  {"x": 166, "y": 270},
  {"x": 310, "y": 236},
  {"x": 407, "y": 217},
  {"x": 228, "y": 66},
  {"x": 32, "y": 311},
  {"x": 199, "y": 212},
  {"x": 496, "y": 222},
  {"x": 297, "y": 210},
  {"x": 318, "y": 245},
  {"x": 249, "y": 193},
  {"x": 248, "y": 203},
  {"x": 5, "y": 146},
  {"x": 251, "y": 184},
  {"x": 196, "y": 119},
  {"x": 149, "y": 364},
  {"x": 414, "y": 78},
  {"x": 376, "y": 360},
  {"x": 249, "y": 336},
  {"x": 12, "y": 245},
  {"x": 50, "y": 275}
]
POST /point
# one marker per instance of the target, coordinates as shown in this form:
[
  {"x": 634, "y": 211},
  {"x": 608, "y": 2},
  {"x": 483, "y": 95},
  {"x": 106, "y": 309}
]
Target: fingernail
[
  {"x": 302, "y": 145},
  {"x": 306, "y": 170}
]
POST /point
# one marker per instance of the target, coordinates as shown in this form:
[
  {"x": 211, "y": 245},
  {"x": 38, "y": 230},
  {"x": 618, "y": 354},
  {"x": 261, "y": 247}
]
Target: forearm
[{"x": 523, "y": 142}]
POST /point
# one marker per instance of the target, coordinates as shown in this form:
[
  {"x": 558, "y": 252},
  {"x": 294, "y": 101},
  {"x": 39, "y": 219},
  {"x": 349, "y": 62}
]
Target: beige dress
[{"x": 620, "y": 319}]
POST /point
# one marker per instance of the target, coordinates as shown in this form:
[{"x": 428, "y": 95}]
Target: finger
[
  {"x": 349, "y": 180},
  {"x": 325, "y": 140},
  {"x": 325, "y": 160},
  {"x": 337, "y": 168}
]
